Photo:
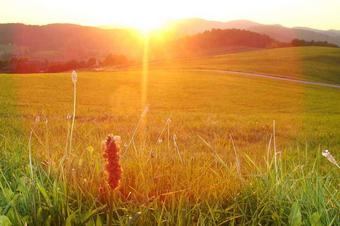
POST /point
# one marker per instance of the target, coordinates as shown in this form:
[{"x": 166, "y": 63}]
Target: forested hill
[{"x": 60, "y": 47}]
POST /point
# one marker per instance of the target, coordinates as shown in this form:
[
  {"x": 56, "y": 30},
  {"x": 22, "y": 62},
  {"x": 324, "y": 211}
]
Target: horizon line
[{"x": 116, "y": 26}]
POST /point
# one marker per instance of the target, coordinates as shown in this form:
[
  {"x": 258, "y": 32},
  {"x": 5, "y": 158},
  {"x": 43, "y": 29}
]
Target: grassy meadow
[
  {"x": 320, "y": 64},
  {"x": 198, "y": 148}
]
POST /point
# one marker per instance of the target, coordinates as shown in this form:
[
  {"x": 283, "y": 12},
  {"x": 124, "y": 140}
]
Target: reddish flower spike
[{"x": 111, "y": 154}]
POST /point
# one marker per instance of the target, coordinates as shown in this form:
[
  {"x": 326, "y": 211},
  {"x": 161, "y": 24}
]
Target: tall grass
[
  {"x": 74, "y": 78},
  {"x": 164, "y": 183},
  {"x": 165, "y": 190}
]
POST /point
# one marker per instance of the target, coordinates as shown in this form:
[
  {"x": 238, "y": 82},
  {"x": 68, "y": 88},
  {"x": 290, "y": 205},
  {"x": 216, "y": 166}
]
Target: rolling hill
[
  {"x": 21, "y": 43},
  {"x": 318, "y": 64},
  {"x": 66, "y": 41},
  {"x": 212, "y": 42}
]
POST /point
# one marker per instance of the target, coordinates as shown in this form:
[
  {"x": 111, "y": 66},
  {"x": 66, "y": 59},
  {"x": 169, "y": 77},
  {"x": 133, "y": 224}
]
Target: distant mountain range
[
  {"x": 278, "y": 32},
  {"x": 67, "y": 41}
]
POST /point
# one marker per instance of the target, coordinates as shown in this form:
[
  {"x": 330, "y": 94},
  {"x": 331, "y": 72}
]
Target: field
[
  {"x": 197, "y": 147},
  {"x": 318, "y": 64}
]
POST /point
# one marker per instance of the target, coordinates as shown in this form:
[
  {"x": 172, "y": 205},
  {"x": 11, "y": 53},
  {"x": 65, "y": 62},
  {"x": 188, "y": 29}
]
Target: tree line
[
  {"x": 212, "y": 41},
  {"x": 14, "y": 64},
  {"x": 301, "y": 42}
]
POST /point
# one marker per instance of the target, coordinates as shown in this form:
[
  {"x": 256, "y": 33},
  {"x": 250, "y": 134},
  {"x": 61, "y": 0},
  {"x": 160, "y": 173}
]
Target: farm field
[
  {"x": 197, "y": 147},
  {"x": 318, "y": 64}
]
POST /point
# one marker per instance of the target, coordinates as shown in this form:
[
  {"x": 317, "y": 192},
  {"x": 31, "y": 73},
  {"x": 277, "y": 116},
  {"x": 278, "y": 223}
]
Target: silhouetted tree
[
  {"x": 111, "y": 60},
  {"x": 91, "y": 62},
  {"x": 301, "y": 42}
]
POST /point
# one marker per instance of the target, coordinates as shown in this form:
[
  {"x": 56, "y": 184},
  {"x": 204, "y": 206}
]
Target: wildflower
[
  {"x": 74, "y": 77},
  {"x": 101, "y": 190},
  {"x": 111, "y": 154},
  {"x": 90, "y": 149},
  {"x": 330, "y": 157},
  {"x": 68, "y": 117}
]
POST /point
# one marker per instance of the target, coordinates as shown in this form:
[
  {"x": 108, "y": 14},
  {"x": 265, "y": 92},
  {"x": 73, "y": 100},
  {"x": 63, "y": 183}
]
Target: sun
[
  {"x": 146, "y": 29},
  {"x": 147, "y": 26}
]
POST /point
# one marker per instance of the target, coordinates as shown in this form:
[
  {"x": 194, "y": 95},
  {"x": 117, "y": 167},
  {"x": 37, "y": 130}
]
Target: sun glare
[{"x": 147, "y": 26}]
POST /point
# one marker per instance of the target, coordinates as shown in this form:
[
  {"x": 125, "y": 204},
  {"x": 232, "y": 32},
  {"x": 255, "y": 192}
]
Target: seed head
[
  {"x": 74, "y": 77},
  {"x": 330, "y": 157},
  {"x": 111, "y": 154}
]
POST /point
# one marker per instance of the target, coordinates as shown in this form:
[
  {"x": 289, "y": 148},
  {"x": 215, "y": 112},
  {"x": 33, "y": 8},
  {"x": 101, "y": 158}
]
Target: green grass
[
  {"x": 320, "y": 64},
  {"x": 197, "y": 184}
]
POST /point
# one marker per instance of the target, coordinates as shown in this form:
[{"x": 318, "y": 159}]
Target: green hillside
[{"x": 321, "y": 64}]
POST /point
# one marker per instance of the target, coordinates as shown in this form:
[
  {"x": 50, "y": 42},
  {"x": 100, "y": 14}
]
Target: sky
[{"x": 321, "y": 14}]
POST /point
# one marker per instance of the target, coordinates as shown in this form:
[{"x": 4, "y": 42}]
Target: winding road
[{"x": 268, "y": 76}]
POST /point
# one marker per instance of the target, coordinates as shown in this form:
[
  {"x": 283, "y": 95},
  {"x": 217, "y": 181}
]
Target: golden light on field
[
  {"x": 144, "y": 83},
  {"x": 145, "y": 72}
]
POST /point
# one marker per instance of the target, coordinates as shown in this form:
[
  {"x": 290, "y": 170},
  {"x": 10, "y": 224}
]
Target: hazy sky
[{"x": 323, "y": 14}]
